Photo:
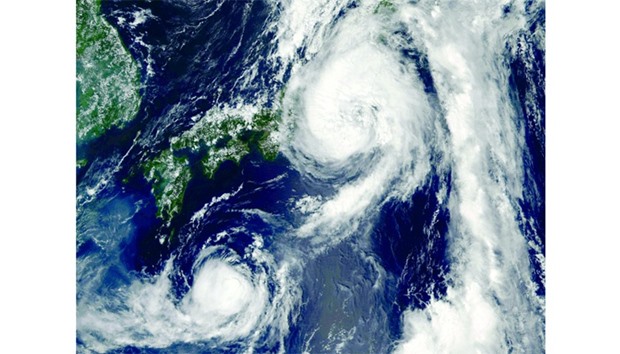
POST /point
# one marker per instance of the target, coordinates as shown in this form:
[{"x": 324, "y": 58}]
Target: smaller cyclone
[
  {"x": 226, "y": 299},
  {"x": 219, "y": 291}
]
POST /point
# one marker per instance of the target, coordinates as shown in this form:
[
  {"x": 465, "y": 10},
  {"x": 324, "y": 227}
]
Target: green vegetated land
[
  {"x": 168, "y": 176},
  {"x": 215, "y": 138},
  {"x": 108, "y": 78},
  {"x": 108, "y": 83},
  {"x": 385, "y": 5}
]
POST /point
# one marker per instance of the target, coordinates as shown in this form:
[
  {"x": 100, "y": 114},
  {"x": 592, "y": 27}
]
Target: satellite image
[{"x": 310, "y": 176}]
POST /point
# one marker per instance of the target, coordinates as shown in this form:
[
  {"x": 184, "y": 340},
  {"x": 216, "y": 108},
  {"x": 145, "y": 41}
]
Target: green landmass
[
  {"x": 168, "y": 176},
  {"x": 385, "y": 5},
  {"x": 108, "y": 82},
  {"x": 229, "y": 138},
  {"x": 216, "y": 138},
  {"x": 108, "y": 78},
  {"x": 81, "y": 163}
]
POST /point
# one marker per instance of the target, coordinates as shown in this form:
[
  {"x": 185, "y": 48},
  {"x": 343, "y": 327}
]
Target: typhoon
[{"x": 301, "y": 176}]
